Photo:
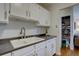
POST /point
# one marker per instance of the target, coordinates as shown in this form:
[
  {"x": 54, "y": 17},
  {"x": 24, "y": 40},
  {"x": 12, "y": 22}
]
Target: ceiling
[
  {"x": 45, "y": 5},
  {"x": 48, "y": 5}
]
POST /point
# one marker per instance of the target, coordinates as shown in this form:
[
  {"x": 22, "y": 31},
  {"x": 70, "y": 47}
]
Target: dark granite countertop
[{"x": 6, "y": 47}]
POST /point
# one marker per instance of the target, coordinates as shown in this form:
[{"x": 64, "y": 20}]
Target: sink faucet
[{"x": 23, "y": 32}]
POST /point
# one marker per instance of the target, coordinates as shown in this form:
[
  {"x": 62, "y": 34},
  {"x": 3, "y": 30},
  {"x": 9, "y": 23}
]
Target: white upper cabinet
[
  {"x": 30, "y": 11},
  {"x": 40, "y": 14},
  {"x": 25, "y": 11},
  {"x": 3, "y": 13},
  {"x": 44, "y": 17},
  {"x": 18, "y": 10},
  {"x": 21, "y": 11},
  {"x": 34, "y": 11}
]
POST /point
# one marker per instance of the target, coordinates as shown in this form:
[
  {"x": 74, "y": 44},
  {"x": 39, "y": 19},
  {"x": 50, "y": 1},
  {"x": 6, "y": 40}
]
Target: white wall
[
  {"x": 66, "y": 11},
  {"x": 76, "y": 18},
  {"x": 13, "y": 29},
  {"x": 56, "y": 21}
]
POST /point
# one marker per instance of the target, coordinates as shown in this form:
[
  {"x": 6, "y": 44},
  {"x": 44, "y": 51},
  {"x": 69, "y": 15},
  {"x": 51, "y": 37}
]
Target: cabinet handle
[
  {"x": 5, "y": 14},
  {"x": 27, "y": 14},
  {"x": 9, "y": 11},
  {"x": 9, "y": 8}
]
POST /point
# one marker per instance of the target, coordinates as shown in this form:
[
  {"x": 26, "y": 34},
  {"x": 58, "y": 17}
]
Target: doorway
[{"x": 65, "y": 24}]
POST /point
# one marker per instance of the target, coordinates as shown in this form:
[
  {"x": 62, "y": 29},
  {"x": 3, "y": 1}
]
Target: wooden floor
[{"x": 68, "y": 52}]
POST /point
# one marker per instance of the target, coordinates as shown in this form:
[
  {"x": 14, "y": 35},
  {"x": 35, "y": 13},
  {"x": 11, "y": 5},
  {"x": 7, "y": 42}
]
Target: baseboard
[
  {"x": 58, "y": 53},
  {"x": 54, "y": 54}
]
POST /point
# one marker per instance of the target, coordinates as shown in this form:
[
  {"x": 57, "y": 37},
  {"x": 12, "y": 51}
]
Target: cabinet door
[
  {"x": 30, "y": 53},
  {"x": 3, "y": 12},
  {"x": 34, "y": 11},
  {"x": 47, "y": 18},
  {"x": 54, "y": 45},
  {"x": 50, "y": 47},
  {"x": 8, "y": 54},
  {"x": 40, "y": 49},
  {"x": 43, "y": 17},
  {"x": 19, "y": 9},
  {"x": 23, "y": 51}
]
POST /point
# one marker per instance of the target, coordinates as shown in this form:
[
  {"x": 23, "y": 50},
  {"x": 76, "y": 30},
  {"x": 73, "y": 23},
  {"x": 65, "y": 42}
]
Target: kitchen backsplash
[{"x": 14, "y": 27}]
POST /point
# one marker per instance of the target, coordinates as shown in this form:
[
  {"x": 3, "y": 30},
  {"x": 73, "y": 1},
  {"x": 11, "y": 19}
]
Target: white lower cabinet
[
  {"x": 50, "y": 47},
  {"x": 40, "y": 49},
  {"x": 24, "y": 51},
  {"x": 46, "y": 48},
  {"x": 30, "y": 53},
  {"x": 54, "y": 45},
  {"x": 8, "y": 54}
]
